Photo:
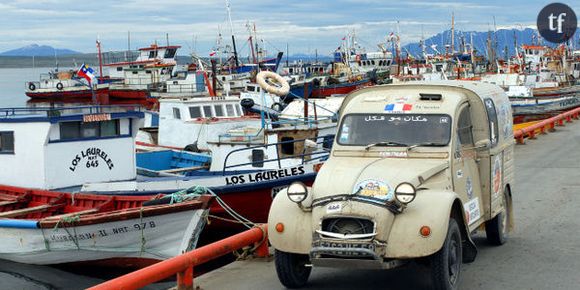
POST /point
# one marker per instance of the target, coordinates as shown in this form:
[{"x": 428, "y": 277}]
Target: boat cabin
[
  {"x": 185, "y": 121},
  {"x": 56, "y": 148},
  {"x": 153, "y": 54}
]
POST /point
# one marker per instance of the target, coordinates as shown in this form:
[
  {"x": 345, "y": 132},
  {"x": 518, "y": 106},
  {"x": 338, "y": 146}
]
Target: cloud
[{"x": 304, "y": 25}]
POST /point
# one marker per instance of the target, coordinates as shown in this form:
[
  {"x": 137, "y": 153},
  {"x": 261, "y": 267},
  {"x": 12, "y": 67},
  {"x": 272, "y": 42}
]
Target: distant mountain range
[
  {"x": 38, "y": 50},
  {"x": 505, "y": 38}
]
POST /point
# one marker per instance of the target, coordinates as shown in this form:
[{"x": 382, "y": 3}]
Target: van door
[
  {"x": 466, "y": 180},
  {"x": 496, "y": 161}
]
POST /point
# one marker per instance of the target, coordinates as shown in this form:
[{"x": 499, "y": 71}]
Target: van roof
[{"x": 476, "y": 90}]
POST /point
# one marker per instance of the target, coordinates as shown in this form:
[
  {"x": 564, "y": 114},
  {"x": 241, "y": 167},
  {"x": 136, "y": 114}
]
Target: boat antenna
[
  {"x": 167, "y": 38},
  {"x": 232, "y": 31}
]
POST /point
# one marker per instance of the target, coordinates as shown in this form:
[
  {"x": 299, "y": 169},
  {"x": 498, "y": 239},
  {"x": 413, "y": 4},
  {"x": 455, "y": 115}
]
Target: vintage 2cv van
[{"x": 415, "y": 169}]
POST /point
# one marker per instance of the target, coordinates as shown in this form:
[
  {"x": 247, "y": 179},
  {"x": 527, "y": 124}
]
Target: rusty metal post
[
  {"x": 262, "y": 250},
  {"x": 532, "y": 134},
  {"x": 185, "y": 279},
  {"x": 561, "y": 122}
]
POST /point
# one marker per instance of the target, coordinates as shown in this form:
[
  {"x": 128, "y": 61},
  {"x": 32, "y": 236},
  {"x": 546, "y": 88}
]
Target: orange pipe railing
[
  {"x": 549, "y": 124},
  {"x": 182, "y": 265}
]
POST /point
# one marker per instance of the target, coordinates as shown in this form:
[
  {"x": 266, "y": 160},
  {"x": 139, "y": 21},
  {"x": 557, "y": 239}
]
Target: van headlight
[
  {"x": 297, "y": 192},
  {"x": 405, "y": 193}
]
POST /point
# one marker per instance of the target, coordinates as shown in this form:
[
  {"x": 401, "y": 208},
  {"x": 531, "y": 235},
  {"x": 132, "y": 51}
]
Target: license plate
[{"x": 347, "y": 245}]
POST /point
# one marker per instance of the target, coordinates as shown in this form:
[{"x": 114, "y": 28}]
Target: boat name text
[{"x": 92, "y": 155}]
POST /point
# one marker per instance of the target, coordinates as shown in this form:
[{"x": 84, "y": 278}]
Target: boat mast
[
  {"x": 100, "y": 60},
  {"x": 252, "y": 43},
  {"x": 452, "y": 33},
  {"x": 232, "y": 31}
]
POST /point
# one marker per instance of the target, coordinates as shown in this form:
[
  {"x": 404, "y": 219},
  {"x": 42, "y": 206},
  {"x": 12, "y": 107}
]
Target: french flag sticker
[{"x": 399, "y": 107}]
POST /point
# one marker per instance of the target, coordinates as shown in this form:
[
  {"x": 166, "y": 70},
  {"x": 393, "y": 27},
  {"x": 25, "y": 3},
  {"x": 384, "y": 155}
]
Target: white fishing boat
[{"x": 46, "y": 227}]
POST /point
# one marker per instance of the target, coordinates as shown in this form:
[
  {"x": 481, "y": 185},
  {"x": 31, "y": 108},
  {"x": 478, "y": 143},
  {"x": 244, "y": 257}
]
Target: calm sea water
[{"x": 12, "y": 85}]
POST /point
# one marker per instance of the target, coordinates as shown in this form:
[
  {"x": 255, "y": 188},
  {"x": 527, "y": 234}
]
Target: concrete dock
[{"x": 542, "y": 253}]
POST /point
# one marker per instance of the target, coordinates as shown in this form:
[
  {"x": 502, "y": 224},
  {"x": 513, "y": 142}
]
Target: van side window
[
  {"x": 492, "y": 117},
  {"x": 464, "y": 127}
]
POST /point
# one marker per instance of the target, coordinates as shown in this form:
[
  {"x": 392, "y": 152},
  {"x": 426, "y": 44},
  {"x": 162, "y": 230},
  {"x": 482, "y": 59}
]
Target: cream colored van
[{"x": 415, "y": 169}]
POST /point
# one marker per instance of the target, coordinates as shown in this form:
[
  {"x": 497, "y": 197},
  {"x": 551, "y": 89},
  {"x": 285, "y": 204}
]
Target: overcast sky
[{"x": 304, "y": 25}]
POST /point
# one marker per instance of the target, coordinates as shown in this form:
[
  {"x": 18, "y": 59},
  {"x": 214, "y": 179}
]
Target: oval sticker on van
[{"x": 374, "y": 188}]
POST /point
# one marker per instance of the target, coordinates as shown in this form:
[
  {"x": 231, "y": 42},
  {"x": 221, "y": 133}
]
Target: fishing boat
[
  {"x": 139, "y": 77},
  {"x": 48, "y": 227},
  {"x": 64, "y": 85}
]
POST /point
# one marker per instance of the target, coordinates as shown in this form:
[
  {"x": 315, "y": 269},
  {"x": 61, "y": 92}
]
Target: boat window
[
  {"x": 287, "y": 146},
  {"x": 176, "y": 113},
  {"x": 120, "y": 68},
  {"x": 257, "y": 158},
  {"x": 230, "y": 110},
  {"x": 207, "y": 112},
  {"x": 492, "y": 117},
  {"x": 153, "y": 54},
  {"x": 219, "y": 110},
  {"x": 90, "y": 130},
  {"x": 70, "y": 130},
  {"x": 238, "y": 110},
  {"x": 148, "y": 72},
  {"x": 7, "y": 142},
  {"x": 464, "y": 127},
  {"x": 170, "y": 53},
  {"x": 82, "y": 130},
  {"x": 110, "y": 128},
  {"x": 194, "y": 112}
]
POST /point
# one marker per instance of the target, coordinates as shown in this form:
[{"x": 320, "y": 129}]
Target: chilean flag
[
  {"x": 398, "y": 107},
  {"x": 86, "y": 72}
]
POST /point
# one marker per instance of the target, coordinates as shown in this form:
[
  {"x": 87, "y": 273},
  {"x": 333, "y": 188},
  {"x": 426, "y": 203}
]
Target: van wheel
[
  {"x": 446, "y": 263},
  {"x": 496, "y": 229},
  {"x": 291, "y": 269}
]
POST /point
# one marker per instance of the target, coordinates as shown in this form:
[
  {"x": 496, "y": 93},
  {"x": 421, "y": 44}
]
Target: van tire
[
  {"x": 291, "y": 269},
  {"x": 446, "y": 263},
  {"x": 496, "y": 229}
]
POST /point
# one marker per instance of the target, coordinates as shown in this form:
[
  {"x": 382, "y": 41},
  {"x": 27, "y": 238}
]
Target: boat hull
[
  {"x": 119, "y": 93},
  {"x": 81, "y": 93},
  {"x": 148, "y": 238},
  {"x": 542, "y": 106},
  {"x": 339, "y": 89}
]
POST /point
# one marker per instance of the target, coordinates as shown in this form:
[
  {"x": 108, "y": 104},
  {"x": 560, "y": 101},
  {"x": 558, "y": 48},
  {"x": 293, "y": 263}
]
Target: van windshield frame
[{"x": 361, "y": 129}]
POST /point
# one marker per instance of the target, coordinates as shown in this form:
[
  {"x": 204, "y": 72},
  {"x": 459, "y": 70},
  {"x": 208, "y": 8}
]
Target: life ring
[
  {"x": 31, "y": 86},
  {"x": 59, "y": 86},
  {"x": 281, "y": 90}
]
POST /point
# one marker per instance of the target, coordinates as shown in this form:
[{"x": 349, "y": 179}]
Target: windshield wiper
[
  {"x": 422, "y": 144},
  {"x": 385, "y": 143}
]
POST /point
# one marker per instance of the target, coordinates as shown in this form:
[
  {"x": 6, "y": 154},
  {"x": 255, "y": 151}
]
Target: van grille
[{"x": 348, "y": 226}]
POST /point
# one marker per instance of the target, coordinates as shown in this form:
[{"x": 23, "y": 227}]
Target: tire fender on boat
[
  {"x": 59, "y": 86},
  {"x": 31, "y": 86},
  {"x": 281, "y": 90}
]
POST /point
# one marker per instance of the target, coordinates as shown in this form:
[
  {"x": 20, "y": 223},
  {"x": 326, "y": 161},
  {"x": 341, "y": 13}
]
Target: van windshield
[{"x": 395, "y": 129}]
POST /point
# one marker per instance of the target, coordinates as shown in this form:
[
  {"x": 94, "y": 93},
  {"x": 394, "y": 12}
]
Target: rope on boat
[{"x": 197, "y": 190}]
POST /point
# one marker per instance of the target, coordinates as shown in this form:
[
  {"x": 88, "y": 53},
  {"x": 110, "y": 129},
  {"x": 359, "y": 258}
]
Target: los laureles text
[
  {"x": 266, "y": 175},
  {"x": 92, "y": 155}
]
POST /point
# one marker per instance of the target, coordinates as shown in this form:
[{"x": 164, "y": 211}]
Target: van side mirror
[{"x": 483, "y": 144}]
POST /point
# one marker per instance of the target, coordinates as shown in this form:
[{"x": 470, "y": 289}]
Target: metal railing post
[{"x": 185, "y": 279}]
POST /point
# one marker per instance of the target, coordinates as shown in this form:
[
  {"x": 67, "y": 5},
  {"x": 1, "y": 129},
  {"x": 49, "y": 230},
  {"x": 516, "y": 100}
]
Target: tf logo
[{"x": 557, "y": 22}]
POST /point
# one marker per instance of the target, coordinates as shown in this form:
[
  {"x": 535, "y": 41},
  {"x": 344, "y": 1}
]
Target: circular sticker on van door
[{"x": 374, "y": 188}]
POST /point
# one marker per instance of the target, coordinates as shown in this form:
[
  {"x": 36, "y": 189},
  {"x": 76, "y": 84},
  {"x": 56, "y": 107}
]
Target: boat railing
[
  {"x": 309, "y": 122},
  {"x": 318, "y": 149},
  {"x": 61, "y": 111}
]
